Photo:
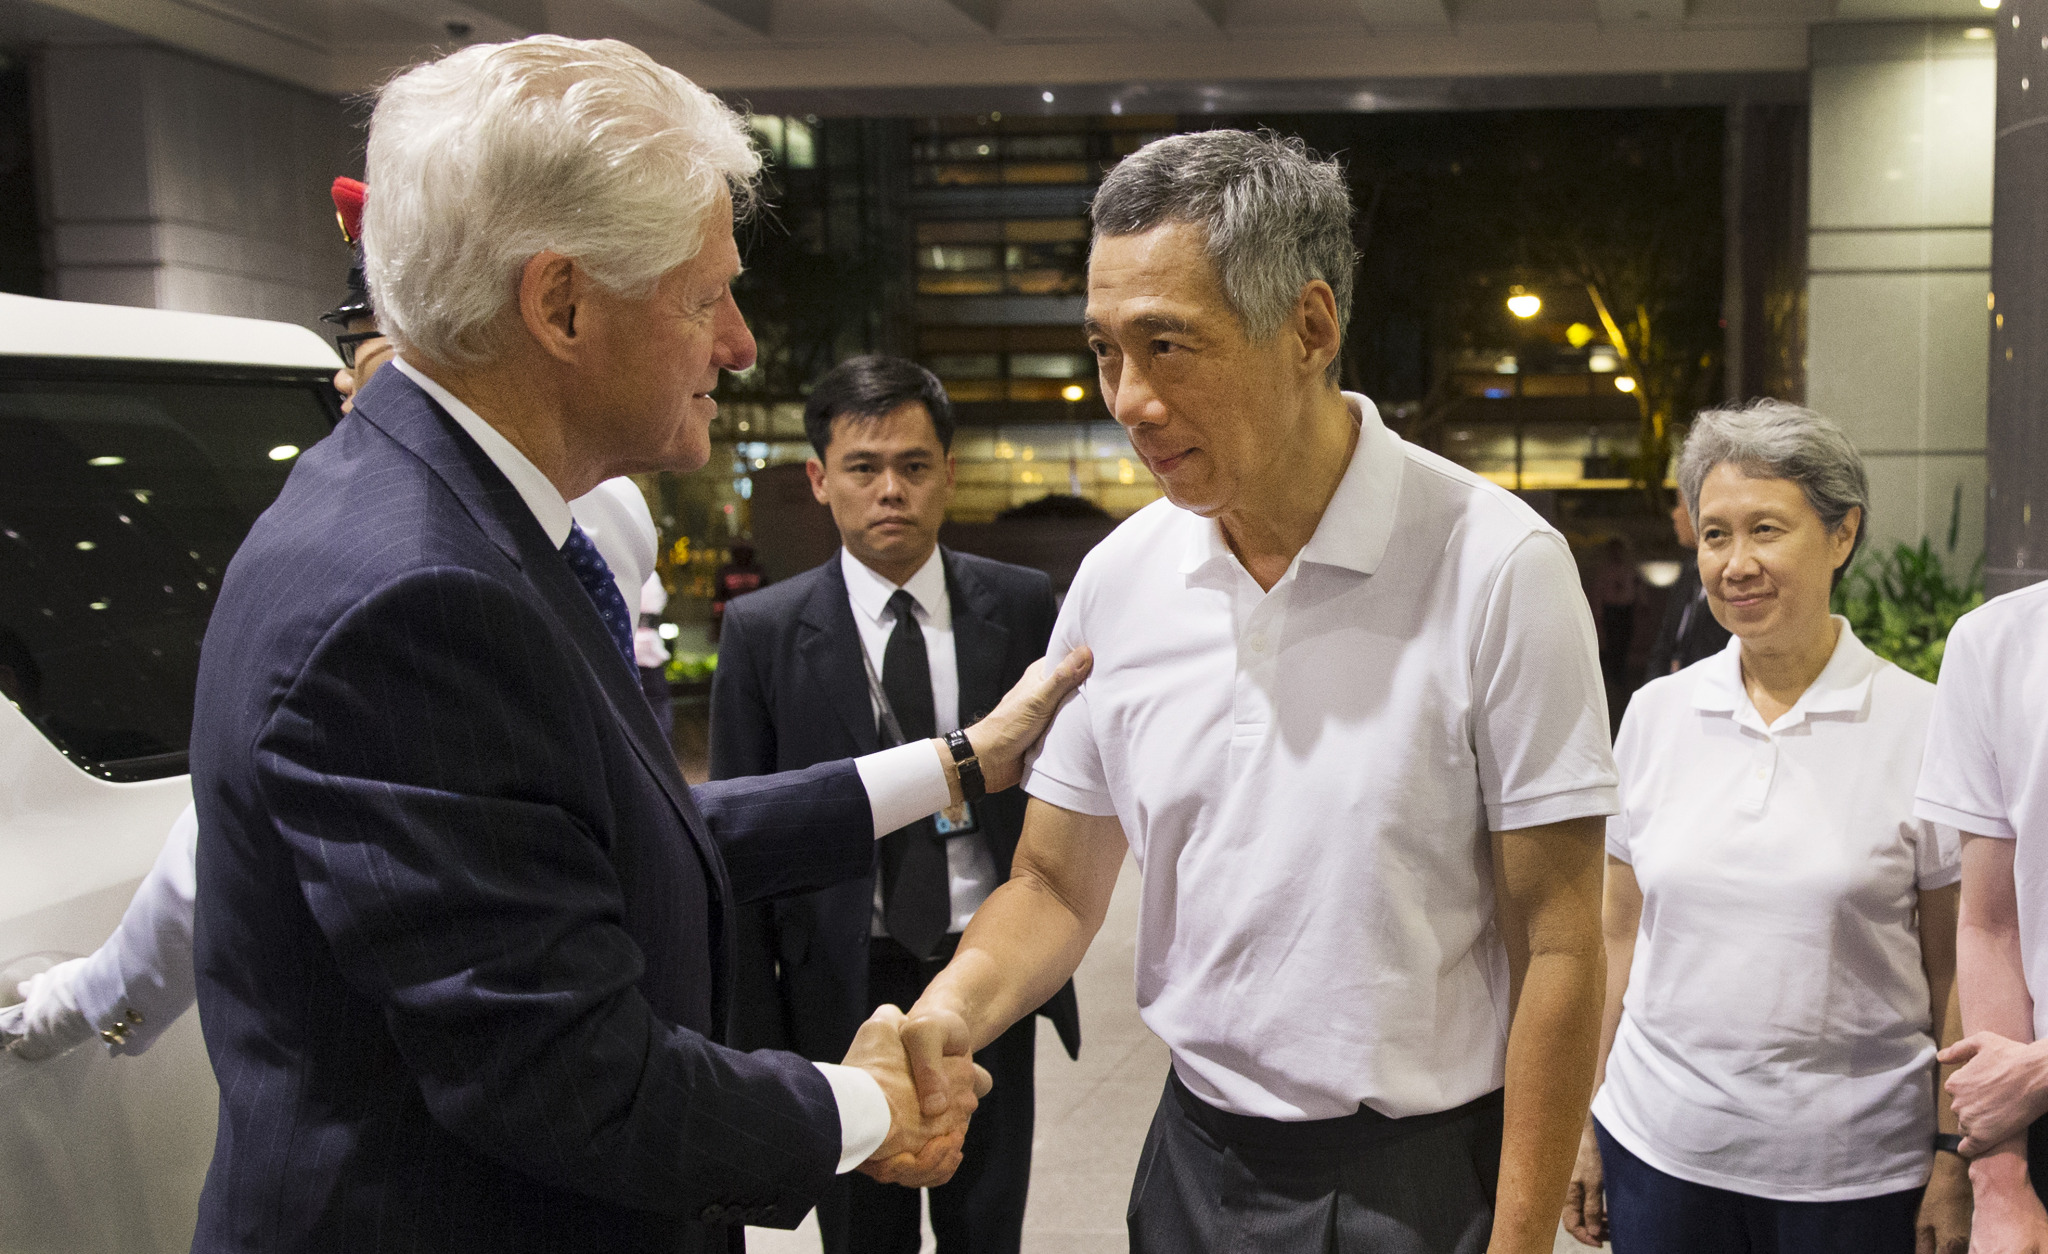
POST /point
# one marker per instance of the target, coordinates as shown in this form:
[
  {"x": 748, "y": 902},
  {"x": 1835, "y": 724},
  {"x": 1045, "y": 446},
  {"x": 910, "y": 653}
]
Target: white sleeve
[
  {"x": 1959, "y": 783},
  {"x": 904, "y": 783},
  {"x": 142, "y": 975},
  {"x": 1937, "y": 855},
  {"x": 863, "y": 1113},
  {"x": 1619, "y": 827},
  {"x": 1067, "y": 771},
  {"x": 1539, "y": 708}
]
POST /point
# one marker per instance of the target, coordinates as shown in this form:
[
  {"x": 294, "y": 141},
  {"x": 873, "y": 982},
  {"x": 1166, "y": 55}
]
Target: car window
[{"x": 124, "y": 490}]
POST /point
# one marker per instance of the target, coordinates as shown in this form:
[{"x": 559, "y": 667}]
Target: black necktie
[{"x": 916, "y": 896}]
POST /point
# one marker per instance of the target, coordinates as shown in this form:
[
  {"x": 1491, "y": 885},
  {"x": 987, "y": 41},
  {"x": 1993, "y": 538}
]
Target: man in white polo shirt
[
  {"x": 1986, "y": 772},
  {"x": 1347, "y": 714}
]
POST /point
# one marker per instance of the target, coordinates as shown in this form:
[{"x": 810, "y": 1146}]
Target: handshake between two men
[
  {"x": 926, "y": 1073},
  {"x": 927, "y": 1124}
]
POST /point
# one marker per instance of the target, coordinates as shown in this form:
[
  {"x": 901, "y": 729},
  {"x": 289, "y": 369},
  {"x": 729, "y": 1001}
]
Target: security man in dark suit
[{"x": 891, "y": 639}]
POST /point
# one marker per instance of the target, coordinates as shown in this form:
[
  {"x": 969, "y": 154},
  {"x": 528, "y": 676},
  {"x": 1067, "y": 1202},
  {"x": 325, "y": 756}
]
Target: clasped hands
[
  {"x": 933, "y": 1086},
  {"x": 1999, "y": 1087}
]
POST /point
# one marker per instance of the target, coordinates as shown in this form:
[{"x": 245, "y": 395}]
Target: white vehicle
[{"x": 137, "y": 446}]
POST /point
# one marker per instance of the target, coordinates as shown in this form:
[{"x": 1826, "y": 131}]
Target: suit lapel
[
  {"x": 980, "y": 641},
  {"x": 401, "y": 409},
  {"x": 829, "y": 644}
]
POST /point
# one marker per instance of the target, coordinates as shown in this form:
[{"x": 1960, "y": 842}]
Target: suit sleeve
[
  {"x": 742, "y": 720},
  {"x": 1044, "y": 610},
  {"x": 781, "y": 834},
  {"x": 432, "y": 777}
]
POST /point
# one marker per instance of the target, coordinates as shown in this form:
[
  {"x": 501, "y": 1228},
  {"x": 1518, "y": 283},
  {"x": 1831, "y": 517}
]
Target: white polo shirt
[
  {"x": 1775, "y": 1039},
  {"x": 1987, "y": 754},
  {"x": 1307, "y": 777}
]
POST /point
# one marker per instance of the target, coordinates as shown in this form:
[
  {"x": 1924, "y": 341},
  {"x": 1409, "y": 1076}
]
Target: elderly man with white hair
[{"x": 462, "y": 930}]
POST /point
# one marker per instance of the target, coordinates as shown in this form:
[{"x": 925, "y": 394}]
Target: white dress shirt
[
  {"x": 1776, "y": 1039},
  {"x": 1307, "y": 777},
  {"x": 970, "y": 867},
  {"x": 903, "y": 784},
  {"x": 1987, "y": 754}
]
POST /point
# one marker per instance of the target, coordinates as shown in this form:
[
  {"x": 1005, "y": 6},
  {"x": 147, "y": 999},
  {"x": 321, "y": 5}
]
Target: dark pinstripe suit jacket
[{"x": 462, "y": 928}]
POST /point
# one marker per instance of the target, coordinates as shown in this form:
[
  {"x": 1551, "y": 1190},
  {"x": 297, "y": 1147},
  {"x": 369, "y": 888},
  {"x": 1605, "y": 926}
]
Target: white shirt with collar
[
  {"x": 903, "y": 784},
  {"x": 1987, "y": 755},
  {"x": 1776, "y": 1038},
  {"x": 970, "y": 867},
  {"x": 1308, "y": 776}
]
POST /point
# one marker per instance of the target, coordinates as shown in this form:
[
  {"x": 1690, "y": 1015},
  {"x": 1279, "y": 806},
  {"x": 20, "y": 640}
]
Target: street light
[
  {"x": 1073, "y": 392},
  {"x": 1625, "y": 383},
  {"x": 1523, "y": 304},
  {"x": 1989, "y": 4}
]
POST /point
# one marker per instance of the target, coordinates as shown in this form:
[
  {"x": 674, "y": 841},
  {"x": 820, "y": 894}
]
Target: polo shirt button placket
[{"x": 1757, "y": 788}]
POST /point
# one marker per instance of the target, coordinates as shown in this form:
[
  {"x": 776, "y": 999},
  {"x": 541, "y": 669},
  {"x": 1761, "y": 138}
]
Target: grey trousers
[{"x": 1211, "y": 1182}]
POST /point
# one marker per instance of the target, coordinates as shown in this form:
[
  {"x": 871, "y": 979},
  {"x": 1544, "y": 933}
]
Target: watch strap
[
  {"x": 972, "y": 786},
  {"x": 1948, "y": 1142}
]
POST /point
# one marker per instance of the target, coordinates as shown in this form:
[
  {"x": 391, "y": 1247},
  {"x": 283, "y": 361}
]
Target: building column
[
  {"x": 1899, "y": 258},
  {"x": 175, "y": 183},
  {"x": 2016, "y": 504}
]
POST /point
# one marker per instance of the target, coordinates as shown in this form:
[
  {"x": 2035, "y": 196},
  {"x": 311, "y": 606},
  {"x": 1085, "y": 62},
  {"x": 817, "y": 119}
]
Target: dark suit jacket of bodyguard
[
  {"x": 790, "y": 691},
  {"x": 463, "y": 931}
]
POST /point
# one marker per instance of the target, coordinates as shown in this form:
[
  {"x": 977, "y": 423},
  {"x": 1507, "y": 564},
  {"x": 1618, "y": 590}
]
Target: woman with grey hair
[{"x": 1780, "y": 928}]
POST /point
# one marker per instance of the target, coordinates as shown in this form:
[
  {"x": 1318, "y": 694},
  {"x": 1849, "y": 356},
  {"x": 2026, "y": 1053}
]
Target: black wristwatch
[
  {"x": 972, "y": 786},
  {"x": 1948, "y": 1142}
]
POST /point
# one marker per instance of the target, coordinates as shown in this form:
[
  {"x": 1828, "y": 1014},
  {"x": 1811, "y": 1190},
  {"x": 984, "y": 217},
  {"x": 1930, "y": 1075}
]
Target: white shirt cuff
[
  {"x": 863, "y": 1113},
  {"x": 904, "y": 784},
  {"x": 1963, "y": 820}
]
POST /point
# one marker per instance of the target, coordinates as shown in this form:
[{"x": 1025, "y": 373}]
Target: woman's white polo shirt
[{"x": 1775, "y": 1037}]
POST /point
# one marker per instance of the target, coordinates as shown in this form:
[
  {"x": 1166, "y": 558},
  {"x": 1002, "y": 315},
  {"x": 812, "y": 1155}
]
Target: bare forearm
[
  {"x": 1030, "y": 934},
  {"x": 1619, "y": 959},
  {"x": 1021, "y": 946},
  {"x": 1949, "y": 1031},
  {"x": 1992, "y": 985},
  {"x": 1551, "y": 1048},
  {"x": 1939, "y": 921},
  {"x": 1621, "y": 916}
]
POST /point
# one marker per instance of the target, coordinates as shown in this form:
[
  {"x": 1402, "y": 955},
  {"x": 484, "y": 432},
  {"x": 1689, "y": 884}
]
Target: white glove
[{"x": 48, "y": 1021}]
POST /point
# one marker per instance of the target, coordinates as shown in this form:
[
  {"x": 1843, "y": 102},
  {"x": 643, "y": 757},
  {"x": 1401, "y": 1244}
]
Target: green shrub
[
  {"x": 1902, "y": 604},
  {"x": 691, "y": 667}
]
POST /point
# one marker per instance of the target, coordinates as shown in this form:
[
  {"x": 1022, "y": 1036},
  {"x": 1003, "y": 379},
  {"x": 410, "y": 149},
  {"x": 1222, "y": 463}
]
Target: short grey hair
[
  {"x": 1275, "y": 216},
  {"x": 488, "y": 156},
  {"x": 1770, "y": 439}
]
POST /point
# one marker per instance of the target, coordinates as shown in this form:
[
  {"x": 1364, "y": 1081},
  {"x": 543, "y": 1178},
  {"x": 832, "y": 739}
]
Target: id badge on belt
[{"x": 957, "y": 820}]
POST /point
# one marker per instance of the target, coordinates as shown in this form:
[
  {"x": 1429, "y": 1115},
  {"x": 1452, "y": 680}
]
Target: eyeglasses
[{"x": 347, "y": 342}]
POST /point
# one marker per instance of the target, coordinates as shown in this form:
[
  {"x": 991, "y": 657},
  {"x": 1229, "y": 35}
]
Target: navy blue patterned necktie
[{"x": 596, "y": 577}]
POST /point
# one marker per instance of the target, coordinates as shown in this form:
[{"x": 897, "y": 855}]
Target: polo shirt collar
[
  {"x": 1842, "y": 687},
  {"x": 1359, "y": 520},
  {"x": 870, "y": 592},
  {"x": 534, "y": 488}
]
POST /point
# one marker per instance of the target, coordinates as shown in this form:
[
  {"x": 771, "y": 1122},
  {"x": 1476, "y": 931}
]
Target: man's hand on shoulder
[
  {"x": 923, "y": 1147},
  {"x": 1009, "y": 731}
]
